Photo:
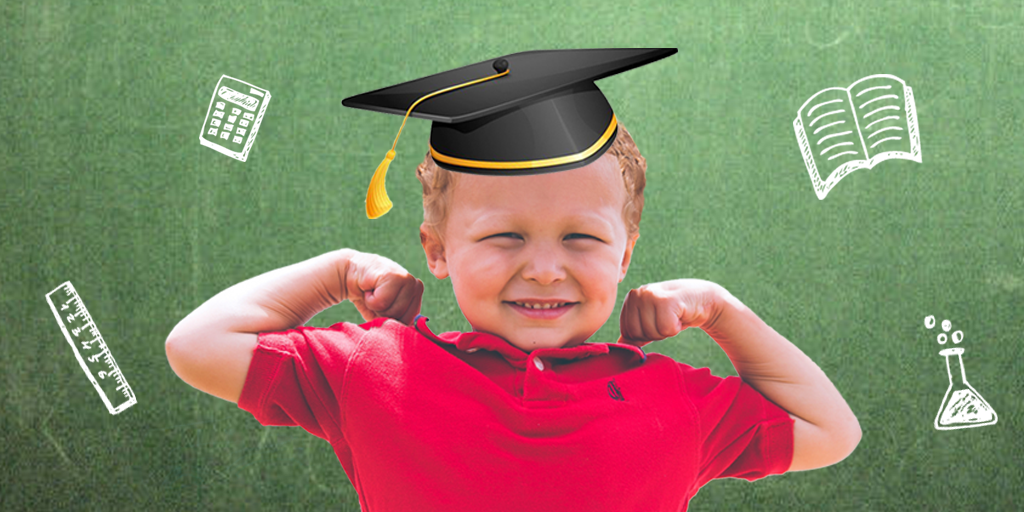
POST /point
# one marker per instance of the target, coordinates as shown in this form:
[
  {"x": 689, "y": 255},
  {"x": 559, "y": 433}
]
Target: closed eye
[
  {"x": 571, "y": 236},
  {"x": 504, "y": 235},
  {"x": 581, "y": 236}
]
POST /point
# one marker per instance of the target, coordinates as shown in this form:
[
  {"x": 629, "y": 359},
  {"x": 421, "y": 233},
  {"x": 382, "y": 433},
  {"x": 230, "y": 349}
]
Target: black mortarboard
[{"x": 526, "y": 113}]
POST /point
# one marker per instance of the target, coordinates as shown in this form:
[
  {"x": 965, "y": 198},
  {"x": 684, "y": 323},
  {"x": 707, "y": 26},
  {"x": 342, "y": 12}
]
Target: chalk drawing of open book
[{"x": 842, "y": 130}]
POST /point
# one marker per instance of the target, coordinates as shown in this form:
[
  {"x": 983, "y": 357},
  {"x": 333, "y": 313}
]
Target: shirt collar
[{"x": 473, "y": 341}]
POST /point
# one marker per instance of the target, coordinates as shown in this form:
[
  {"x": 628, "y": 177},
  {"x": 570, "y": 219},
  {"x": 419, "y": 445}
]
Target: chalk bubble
[
  {"x": 942, "y": 338},
  {"x": 947, "y": 325},
  {"x": 929, "y": 321},
  {"x": 958, "y": 336}
]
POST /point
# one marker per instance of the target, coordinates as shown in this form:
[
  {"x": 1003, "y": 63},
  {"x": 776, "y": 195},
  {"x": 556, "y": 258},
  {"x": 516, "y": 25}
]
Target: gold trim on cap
[{"x": 529, "y": 164}]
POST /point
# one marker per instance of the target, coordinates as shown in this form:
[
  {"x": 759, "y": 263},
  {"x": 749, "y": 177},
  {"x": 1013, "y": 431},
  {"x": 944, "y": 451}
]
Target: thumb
[
  {"x": 367, "y": 282},
  {"x": 383, "y": 292},
  {"x": 374, "y": 299}
]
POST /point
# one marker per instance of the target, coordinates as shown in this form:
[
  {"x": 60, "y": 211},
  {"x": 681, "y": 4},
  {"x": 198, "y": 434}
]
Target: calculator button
[
  {"x": 236, "y": 111},
  {"x": 225, "y": 135},
  {"x": 215, "y": 122},
  {"x": 218, "y": 114},
  {"x": 229, "y": 127},
  {"x": 220, "y": 105},
  {"x": 248, "y": 116},
  {"x": 231, "y": 119},
  {"x": 237, "y": 139},
  {"x": 240, "y": 131},
  {"x": 243, "y": 122},
  {"x": 213, "y": 131}
]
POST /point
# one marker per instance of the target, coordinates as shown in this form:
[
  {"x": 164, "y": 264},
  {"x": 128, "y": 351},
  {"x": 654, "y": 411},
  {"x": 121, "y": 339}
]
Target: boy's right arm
[{"x": 212, "y": 347}]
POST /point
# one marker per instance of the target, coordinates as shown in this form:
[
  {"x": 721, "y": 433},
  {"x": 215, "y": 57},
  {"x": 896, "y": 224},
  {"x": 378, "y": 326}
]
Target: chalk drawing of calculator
[{"x": 234, "y": 117}]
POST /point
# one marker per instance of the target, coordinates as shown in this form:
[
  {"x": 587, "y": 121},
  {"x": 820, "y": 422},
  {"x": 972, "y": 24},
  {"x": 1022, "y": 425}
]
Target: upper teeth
[{"x": 541, "y": 306}]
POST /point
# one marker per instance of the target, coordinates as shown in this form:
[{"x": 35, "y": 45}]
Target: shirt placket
[{"x": 538, "y": 385}]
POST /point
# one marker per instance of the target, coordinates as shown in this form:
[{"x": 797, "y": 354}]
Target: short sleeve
[
  {"x": 742, "y": 433},
  {"x": 296, "y": 377}
]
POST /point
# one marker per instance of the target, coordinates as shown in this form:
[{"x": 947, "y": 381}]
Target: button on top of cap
[{"x": 538, "y": 363}]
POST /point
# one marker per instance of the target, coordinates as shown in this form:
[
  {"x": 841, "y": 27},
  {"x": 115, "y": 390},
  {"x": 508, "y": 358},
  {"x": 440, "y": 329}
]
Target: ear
[
  {"x": 434, "y": 250},
  {"x": 627, "y": 257}
]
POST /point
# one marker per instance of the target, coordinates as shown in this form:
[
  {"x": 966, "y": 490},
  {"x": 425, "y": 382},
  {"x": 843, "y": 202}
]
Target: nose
[{"x": 544, "y": 265}]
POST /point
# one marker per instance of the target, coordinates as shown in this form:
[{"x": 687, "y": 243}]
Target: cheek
[
  {"x": 600, "y": 275},
  {"x": 604, "y": 261},
  {"x": 478, "y": 270}
]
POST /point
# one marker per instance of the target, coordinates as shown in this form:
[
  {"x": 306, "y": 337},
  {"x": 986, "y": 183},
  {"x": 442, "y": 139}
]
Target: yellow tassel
[{"x": 377, "y": 201}]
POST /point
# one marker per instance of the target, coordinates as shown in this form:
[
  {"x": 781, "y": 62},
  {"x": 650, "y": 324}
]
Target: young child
[{"x": 521, "y": 413}]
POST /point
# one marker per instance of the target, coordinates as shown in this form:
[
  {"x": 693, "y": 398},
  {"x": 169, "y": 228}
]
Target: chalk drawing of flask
[{"x": 962, "y": 407}]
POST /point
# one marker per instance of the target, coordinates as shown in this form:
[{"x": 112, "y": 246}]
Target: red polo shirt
[{"x": 466, "y": 421}]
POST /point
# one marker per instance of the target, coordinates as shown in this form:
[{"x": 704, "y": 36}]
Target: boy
[{"x": 521, "y": 413}]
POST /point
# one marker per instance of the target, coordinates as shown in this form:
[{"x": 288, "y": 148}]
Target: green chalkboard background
[{"x": 104, "y": 183}]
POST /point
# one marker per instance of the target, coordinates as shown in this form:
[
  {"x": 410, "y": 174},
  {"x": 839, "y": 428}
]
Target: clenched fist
[
  {"x": 661, "y": 310},
  {"x": 380, "y": 287}
]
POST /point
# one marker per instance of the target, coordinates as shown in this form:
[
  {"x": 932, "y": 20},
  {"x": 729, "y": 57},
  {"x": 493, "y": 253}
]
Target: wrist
[
  {"x": 341, "y": 262},
  {"x": 724, "y": 308}
]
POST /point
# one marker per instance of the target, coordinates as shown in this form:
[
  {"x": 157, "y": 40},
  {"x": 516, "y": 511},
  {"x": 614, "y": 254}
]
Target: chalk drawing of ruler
[{"x": 79, "y": 328}]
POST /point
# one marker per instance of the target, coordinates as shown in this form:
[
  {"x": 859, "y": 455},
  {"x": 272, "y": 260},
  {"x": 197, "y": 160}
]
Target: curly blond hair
[{"x": 438, "y": 184}]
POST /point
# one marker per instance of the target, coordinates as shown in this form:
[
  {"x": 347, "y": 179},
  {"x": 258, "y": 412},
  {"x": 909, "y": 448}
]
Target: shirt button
[
  {"x": 538, "y": 363},
  {"x": 471, "y": 350}
]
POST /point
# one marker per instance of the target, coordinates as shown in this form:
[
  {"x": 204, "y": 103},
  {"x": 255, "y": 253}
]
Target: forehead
[{"x": 593, "y": 188}]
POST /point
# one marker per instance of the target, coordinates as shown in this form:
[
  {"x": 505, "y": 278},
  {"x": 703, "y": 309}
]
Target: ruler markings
[{"x": 65, "y": 295}]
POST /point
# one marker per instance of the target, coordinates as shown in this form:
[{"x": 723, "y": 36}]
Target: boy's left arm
[{"x": 825, "y": 430}]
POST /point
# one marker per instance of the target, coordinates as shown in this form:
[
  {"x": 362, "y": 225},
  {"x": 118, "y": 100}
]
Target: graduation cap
[{"x": 525, "y": 113}]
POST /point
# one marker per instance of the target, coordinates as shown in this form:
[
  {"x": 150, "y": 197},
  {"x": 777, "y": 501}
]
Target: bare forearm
[
  {"x": 781, "y": 372},
  {"x": 277, "y": 300},
  {"x": 212, "y": 347},
  {"x": 775, "y": 367},
  {"x": 825, "y": 430}
]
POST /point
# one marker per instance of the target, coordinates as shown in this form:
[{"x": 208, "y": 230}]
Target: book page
[
  {"x": 826, "y": 130},
  {"x": 887, "y": 118}
]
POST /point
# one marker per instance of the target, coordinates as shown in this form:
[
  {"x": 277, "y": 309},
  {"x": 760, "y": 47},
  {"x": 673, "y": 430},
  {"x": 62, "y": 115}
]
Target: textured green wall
[{"x": 104, "y": 183}]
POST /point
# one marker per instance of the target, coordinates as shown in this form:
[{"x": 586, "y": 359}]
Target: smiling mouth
[
  {"x": 540, "y": 306},
  {"x": 535, "y": 311}
]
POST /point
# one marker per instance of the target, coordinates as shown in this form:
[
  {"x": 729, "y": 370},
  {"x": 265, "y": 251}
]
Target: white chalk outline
[
  {"x": 929, "y": 322},
  {"x": 822, "y": 187},
  {"x": 251, "y": 137},
  {"x": 80, "y": 311},
  {"x": 958, "y": 352}
]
